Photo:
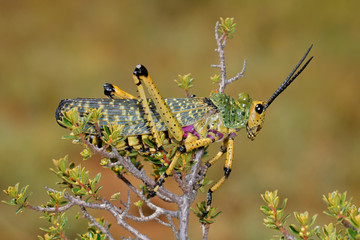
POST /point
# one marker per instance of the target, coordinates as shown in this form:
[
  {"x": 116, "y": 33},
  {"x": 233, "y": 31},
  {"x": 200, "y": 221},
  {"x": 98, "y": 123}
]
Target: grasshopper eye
[{"x": 259, "y": 108}]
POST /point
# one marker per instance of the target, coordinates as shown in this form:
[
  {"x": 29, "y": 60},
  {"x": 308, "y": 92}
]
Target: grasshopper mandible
[{"x": 186, "y": 123}]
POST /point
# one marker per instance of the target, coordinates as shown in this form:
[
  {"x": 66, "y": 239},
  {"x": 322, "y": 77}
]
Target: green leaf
[
  {"x": 138, "y": 203},
  {"x": 75, "y": 190},
  {"x": 312, "y": 220},
  {"x": 62, "y": 163},
  {"x": 295, "y": 229},
  {"x": 69, "y": 137},
  {"x": 107, "y": 130},
  {"x": 266, "y": 210},
  {"x": 86, "y": 153},
  {"x": 115, "y": 196},
  {"x": 65, "y": 122},
  {"x": 283, "y": 205},
  {"x": 215, "y": 79},
  {"x": 185, "y": 81},
  {"x": 352, "y": 234},
  {"x": 19, "y": 210},
  {"x": 97, "y": 177},
  {"x": 284, "y": 218}
]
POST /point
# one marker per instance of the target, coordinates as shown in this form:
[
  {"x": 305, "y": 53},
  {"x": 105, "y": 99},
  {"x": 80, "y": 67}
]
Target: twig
[
  {"x": 105, "y": 205},
  {"x": 347, "y": 224},
  {"x": 194, "y": 174},
  {"x": 127, "y": 164},
  {"x": 96, "y": 224},
  {"x": 221, "y": 43},
  {"x": 205, "y": 230},
  {"x": 51, "y": 209},
  {"x": 145, "y": 200}
]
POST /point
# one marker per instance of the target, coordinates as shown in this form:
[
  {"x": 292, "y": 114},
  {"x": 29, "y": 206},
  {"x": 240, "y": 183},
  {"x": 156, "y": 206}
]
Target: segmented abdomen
[{"x": 130, "y": 113}]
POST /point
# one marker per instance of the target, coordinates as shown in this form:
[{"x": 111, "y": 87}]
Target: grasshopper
[{"x": 183, "y": 123}]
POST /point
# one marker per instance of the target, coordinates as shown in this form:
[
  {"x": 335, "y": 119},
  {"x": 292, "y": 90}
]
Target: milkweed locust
[{"x": 165, "y": 129}]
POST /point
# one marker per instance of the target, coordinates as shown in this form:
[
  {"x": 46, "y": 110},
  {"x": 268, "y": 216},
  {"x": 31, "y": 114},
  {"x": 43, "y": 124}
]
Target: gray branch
[
  {"x": 96, "y": 224},
  {"x": 221, "y": 43}
]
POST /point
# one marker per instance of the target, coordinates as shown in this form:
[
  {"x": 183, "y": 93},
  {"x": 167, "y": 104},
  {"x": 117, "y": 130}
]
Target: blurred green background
[{"x": 310, "y": 143}]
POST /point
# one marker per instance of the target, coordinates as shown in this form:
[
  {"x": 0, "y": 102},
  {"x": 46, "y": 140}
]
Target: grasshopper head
[
  {"x": 256, "y": 119},
  {"x": 258, "y": 108}
]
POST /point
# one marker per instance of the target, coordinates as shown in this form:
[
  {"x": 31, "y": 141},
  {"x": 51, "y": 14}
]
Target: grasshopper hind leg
[
  {"x": 112, "y": 91},
  {"x": 141, "y": 77}
]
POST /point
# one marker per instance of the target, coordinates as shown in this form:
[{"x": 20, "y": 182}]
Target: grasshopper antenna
[{"x": 293, "y": 75}]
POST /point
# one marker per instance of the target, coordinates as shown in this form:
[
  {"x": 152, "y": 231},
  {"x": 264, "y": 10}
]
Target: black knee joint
[
  {"x": 227, "y": 172},
  {"x": 162, "y": 180},
  {"x": 151, "y": 194},
  {"x": 209, "y": 197},
  {"x": 182, "y": 149},
  {"x": 140, "y": 70},
  {"x": 109, "y": 89},
  {"x": 160, "y": 149},
  {"x": 223, "y": 149}
]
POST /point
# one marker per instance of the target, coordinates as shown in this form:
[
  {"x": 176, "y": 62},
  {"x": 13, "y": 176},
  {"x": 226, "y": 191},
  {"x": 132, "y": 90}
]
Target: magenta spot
[
  {"x": 190, "y": 129},
  {"x": 219, "y": 134}
]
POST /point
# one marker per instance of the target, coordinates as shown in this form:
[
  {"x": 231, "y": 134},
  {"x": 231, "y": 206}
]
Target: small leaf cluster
[
  {"x": 346, "y": 214},
  {"x": 227, "y": 27},
  {"x": 329, "y": 232},
  {"x": 304, "y": 230},
  {"x": 79, "y": 125},
  {"x": 77, "y": 179},
  {"x": 112, "y": 134},
  {"x": 94, "y": 233},
  {"x": 200, "y": 211},
  {"x": 185, "y": 163},
  {"x": 275, "y": 218},
  {"x": 18, "y": 196},
  {"x": 338, "y": 207},
  {"x": 185, "y": 81},
  {"x": 215, "y": 79},
  {"x": 57, "y": 199},
  {"x": 57, "y": 229}
]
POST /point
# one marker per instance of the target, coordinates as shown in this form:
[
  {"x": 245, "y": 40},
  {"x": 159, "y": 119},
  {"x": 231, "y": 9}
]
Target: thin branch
[
  {"x": 117, "y": 214},
  {"x": 127, "y": 164},
  {"x": 286, "y": 234},
  {"x": 205, "y": 230},
  {"x": 189, "y": 196},
  {"x": 172, "y": 226},
  {"x": 120, "y": 221},
  {"x": 127, "y": 204},
  {"x": 239, "y": 74},
  {"x": 51, "y": 209},
  {"x": 96, "y": 224},
  {"x": 194, "y": 174},
  {"x": 144, "y": 199},
  {"x": 180, "y": 181},
  {"x": 221, "y": 43},
  {"x": 347, "y": 224},
  {"x": 220, "y": 50}
]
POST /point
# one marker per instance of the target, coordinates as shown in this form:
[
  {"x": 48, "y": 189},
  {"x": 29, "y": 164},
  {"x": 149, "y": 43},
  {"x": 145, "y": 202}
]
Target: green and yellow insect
[{"x": 183, "y": 123}]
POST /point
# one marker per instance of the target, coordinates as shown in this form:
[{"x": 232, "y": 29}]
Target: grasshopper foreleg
[{"x": 229, "y": 143}]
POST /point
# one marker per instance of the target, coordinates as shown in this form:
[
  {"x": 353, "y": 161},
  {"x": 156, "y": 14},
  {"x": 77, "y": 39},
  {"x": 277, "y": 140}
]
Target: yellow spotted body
[{"x": 131, "y": 115}]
